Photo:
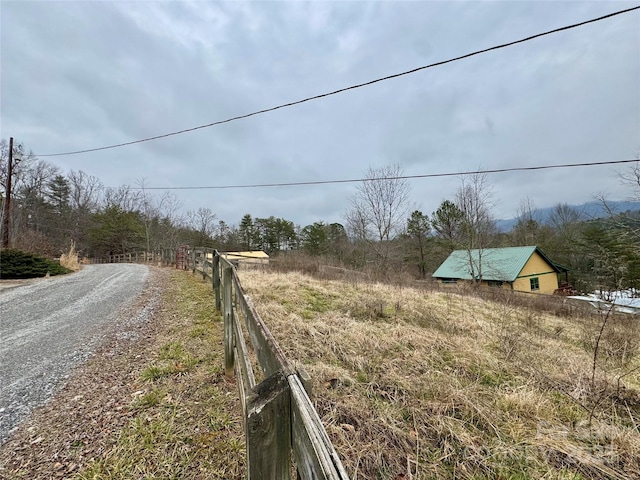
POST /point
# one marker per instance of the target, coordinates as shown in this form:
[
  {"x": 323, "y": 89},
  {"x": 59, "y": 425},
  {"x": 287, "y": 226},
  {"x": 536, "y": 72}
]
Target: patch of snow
[{"x": 626, "y": 301}]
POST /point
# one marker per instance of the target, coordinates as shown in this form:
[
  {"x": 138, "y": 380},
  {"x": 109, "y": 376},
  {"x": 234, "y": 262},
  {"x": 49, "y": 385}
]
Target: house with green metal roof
[{"x": 526, "y": 269}]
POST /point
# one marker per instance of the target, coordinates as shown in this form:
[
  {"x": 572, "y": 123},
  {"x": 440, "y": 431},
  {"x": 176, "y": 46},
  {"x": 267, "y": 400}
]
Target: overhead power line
[
  {"x": 403, "y": 177},
  {"x": 353, "y": 87}
]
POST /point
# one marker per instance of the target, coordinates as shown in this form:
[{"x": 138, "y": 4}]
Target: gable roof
[
  {"x": 499, "y": 264},
  {"x": 253, "y": 254}
]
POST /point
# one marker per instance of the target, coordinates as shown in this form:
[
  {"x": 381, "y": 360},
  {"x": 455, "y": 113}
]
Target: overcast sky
[{"x": 80, "y": 75}]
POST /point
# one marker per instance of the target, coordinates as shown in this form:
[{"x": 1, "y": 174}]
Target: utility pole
[{"x": 7, "y": 200}]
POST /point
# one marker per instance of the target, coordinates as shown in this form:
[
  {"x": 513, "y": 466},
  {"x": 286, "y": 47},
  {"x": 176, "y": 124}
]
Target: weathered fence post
[
  {"x": 278, "y": 415},
  {"x": 228, "y": 321},
  {"x": 203, "y": 261},
  {"x": 216, "y": 277},
  {"x": 268, "y": 430},
  {"x": 305, "y": 379}
]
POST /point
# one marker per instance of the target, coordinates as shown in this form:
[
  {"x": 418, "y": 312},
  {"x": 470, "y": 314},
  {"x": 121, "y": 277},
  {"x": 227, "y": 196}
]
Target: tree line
[{"x": 383, "y": 232}]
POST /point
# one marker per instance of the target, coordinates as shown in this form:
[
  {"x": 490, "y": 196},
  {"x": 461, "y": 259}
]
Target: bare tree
[
  {"x": 525, "y": 231},
  {"x": 23, "y": 160},
  {"x": 169, "y": 206},
  {"x": 564, "y": 216},
  {"x": 147, "y": 211},
  {"x": 160, "y": 216},
  {"x": 357, "y": 224},
  {"x": 84, "y": 198},
  {"x": 165, "y": 232},
  {"x": 30, "y": 191},
  {"x": 626, "y": 224},
  {"x": 22, "y": 165},
  {"x": 203, "y": 221},
  {"x": 565, "y": 221},
  {"x": 526, "y": 211},
  {"x": 379, "y": 209},
  {"x": 122, "y": 197},
  {"x": 474, "y": 200},
  {"x": 631, "y": 178},
  {"x": 85, "y": 191}
]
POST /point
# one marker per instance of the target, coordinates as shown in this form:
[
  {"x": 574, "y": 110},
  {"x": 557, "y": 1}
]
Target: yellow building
[{"x": 525, "y": 269}]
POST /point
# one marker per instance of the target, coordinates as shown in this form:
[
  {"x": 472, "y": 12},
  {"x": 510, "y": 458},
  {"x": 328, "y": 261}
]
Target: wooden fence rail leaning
[{"x": 278, "y": 415}]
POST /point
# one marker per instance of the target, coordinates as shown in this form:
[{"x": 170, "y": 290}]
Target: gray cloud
[{"x": 79, "y": 75}]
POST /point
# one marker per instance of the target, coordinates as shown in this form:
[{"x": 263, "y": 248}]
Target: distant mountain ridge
[{"x": 588, "y": 211}]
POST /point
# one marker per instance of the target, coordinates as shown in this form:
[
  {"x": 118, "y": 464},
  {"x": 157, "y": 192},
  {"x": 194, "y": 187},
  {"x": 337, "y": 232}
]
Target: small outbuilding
[
  {"x": 525, "y": 269},
  {"x": 247, "y": 259}
]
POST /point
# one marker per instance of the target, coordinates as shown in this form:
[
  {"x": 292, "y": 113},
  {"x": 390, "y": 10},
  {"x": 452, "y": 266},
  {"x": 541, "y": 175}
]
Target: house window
[
  {"x": 449, "y": 280},
  {"x": 495, "y": 283},
  {"x": 535, "y": 283}
]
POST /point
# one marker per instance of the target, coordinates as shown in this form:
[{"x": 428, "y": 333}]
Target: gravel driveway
[{"x": 49, "y": 326}]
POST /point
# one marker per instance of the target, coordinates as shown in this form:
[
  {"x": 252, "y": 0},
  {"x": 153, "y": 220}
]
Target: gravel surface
[{"x": 49, "y": 326}]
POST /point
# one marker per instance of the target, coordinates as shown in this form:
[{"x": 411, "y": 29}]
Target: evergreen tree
[
  {"x": 418, "y": 229},
  {"x": 314, "y": 238},
  {"x": 247, "y": 232},
  {"x": 58, "y": 194},
  {"x": 116, "y": 231}
]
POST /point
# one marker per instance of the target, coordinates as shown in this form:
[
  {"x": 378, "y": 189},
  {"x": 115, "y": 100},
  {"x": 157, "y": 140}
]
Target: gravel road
[{"x": 49, "y": 326}]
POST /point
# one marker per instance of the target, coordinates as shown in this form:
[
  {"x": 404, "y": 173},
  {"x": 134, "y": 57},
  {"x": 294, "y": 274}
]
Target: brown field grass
[
  {"x": 416, "y": 383},
  {"x": 70, "y": 259}
]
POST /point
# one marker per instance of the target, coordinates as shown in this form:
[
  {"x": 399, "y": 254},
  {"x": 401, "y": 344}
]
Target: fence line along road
[
  {"x": 277, "y": 412},
  {"x": 278, "y": 415},
  {"x": 165, "y": 257}
]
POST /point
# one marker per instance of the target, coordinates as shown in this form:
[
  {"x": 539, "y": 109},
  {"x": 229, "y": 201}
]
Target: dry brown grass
[
  {"x": 430, "y": 384},
  {"x": 70, "y": 259}
]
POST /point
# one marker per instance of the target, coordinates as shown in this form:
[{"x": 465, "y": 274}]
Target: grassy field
[
  {"x": 413, "y": 383},
  {"x": 410, "y": 384}
]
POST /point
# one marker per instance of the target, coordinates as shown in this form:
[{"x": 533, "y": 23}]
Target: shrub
[{"x": 19, "y": 264}]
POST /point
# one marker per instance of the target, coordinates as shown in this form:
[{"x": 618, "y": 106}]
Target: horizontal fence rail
[
  {"x": 165, "y": 257},
  {"x": 278, "y": 415}
]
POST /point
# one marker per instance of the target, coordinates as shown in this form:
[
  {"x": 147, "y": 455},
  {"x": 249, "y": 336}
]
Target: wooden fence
[
  {"x": 278, "y": 415},
  {"x": 165, "y": 257}
]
